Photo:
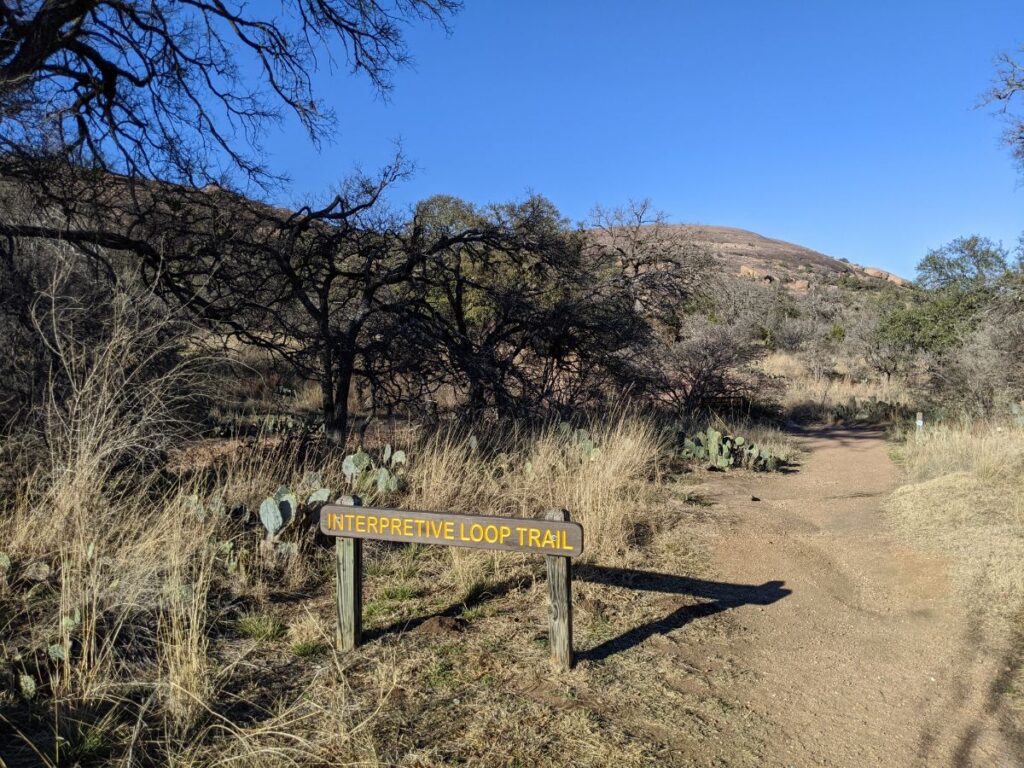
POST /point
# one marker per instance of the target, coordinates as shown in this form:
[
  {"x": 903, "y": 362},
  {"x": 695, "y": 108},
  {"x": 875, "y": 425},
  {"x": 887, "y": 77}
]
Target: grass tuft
[{"x": 259, "y": 626}]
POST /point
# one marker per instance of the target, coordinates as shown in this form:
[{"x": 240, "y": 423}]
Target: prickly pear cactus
[
  {"x": 1017, "y": 409},
  {"x": 375, "y": 477},
  {"x": 720, "y": 451},
  {"x": 354, "y": 464},
  {"x": 319, "y": 496},
  {"x": 271, "y": 517},
  {"x": 277, "y": 511},
  {"x": 580, "y": 440}
]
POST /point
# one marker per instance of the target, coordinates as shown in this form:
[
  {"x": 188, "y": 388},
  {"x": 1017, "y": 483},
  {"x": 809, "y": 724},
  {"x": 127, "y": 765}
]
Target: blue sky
[{"x": 846, "y": 127}]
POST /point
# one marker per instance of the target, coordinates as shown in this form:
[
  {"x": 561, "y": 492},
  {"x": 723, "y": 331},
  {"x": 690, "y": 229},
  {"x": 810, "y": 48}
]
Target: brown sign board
[{"x": 512, "y": 534}]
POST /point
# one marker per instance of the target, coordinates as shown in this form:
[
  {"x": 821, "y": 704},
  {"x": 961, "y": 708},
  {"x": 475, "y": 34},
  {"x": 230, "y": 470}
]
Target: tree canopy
[
  {"x": 970, "y": 263},
  {"x": 183, "y": 90}
]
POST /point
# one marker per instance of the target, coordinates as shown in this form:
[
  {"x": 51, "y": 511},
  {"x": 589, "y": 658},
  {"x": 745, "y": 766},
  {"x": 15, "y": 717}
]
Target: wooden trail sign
[
  {"x": 542, "y": 537},
  {"x": 555, "y": 537}
]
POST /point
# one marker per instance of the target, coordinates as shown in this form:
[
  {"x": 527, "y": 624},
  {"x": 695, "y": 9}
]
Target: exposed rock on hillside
[
  {"x": 883, "y": 275},
  {"x": 757, "y": 257}
]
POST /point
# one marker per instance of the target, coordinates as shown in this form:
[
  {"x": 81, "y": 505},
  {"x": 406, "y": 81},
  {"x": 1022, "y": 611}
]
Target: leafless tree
[
  {"x": 709, "y": 363},
  {"x": 1004, "y": 96},
  {"x": 657, "y": 264},
  {"x": 524, "y": 322},
  {"x": 182, "y": 90}
]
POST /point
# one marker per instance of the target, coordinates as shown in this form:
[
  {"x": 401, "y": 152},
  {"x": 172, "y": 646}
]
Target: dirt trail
[{"x": 871, "y": 660}]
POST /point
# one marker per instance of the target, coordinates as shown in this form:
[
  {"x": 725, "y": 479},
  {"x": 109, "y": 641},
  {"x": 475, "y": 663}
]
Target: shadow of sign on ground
[
  {"x": 721, "y": 596},
  {"x": 453, "y": 611}
]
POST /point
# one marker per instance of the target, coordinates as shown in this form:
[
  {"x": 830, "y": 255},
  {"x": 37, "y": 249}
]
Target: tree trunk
[
  {"x": 326, "y": 396},
  {"x": 477, "y": 397},
  {"x": 336, "y": 417}
]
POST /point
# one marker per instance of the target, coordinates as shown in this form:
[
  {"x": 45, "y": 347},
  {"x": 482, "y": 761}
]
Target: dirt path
[{"x": 869, "y": 661}]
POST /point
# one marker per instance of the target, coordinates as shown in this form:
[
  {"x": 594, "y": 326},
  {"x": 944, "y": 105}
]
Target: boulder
[
  {"x": 757, "y": 274},
  {"x": 746, "y": 271},
  {"x": 881, "y": 274}
]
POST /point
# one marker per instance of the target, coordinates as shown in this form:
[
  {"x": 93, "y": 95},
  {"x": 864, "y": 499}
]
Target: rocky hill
[{"x": 749, "y": 254}]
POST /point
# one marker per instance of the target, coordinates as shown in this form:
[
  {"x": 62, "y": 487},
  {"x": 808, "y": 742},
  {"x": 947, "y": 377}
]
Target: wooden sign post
[
  {"x": 560, "y": 602},
  {"x": 348, "y": 563},
  {"x": 555, "y": 537}
]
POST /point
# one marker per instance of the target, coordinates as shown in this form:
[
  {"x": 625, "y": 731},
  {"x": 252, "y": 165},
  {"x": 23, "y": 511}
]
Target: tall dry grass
[
  {"x": 524, "y": 473},
  {"x": 119, "y": 636},
  {"x": 809, "y": 397},
  {"x": 106, "y": 608},
  {"x": 107, "y": 565},
  {"x": 965, "y": 496}
]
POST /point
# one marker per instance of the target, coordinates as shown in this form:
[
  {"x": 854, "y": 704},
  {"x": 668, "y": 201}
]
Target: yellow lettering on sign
[
  {"x": 563, "y": 541},
  {"x": 473, "y": 530}
]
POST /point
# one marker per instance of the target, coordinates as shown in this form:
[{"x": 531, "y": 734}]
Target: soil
[{"x": 865, "y": 656}]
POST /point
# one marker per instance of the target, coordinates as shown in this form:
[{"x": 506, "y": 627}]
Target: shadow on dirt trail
[{"x": 722, "y": 597}]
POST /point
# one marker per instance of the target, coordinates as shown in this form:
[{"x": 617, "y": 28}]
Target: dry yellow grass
[
  {"x": 525, "y": 474},
  {"x": 182, "y": 635},
  {"x": 965, "y": 496},
  {"x": 135, "y": 570},
  {"x": 815, "y": 398}
]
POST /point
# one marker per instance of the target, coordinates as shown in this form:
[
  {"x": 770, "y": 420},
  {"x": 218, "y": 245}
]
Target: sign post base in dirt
[{"x": 555, "y": 537}]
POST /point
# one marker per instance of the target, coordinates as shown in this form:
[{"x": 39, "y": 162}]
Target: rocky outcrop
[
  {"x": 880, "y": 274},
  {"x": 757, "y": 274}
]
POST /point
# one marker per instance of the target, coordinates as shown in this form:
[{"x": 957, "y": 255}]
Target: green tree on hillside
[
  {"x": 968, "y": 264},
  {"x": 960, "y": 281}
]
